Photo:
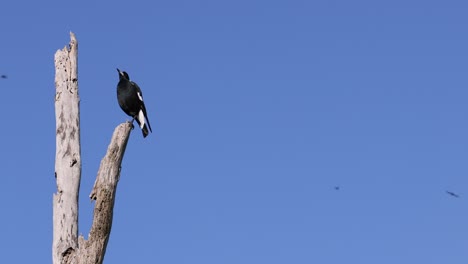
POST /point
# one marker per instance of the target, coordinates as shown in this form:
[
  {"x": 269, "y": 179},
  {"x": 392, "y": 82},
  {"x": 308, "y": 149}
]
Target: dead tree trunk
[
  {"x": 67, "y": 247},
  {"x": 67, "y": 152}
]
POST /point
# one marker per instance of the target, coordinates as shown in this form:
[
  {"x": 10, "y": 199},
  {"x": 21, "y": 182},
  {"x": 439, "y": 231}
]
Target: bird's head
[{"x": 123, "y": 74}]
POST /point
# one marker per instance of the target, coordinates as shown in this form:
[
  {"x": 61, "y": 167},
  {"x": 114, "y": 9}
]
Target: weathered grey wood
[
  {"x": 67, "y": 153},
  {"x": 104, "y": 193},
  {"x": 67, "y": 247},
  {"x": 92, "y": 251}
]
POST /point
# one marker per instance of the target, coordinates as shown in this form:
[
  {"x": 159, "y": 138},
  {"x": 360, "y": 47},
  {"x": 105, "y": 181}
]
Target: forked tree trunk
[{"x": 67, "y": 247}]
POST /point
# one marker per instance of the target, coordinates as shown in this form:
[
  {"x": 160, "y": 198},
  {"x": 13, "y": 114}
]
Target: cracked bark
[{"x": 67, "y": 247}]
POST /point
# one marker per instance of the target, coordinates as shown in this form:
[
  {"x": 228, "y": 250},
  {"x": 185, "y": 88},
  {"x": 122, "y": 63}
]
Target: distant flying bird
[
  {"x": 453, "y": 194},
  {"x": 130, "y": 100},
  {"x": 337, "y": 188},
  {"x": 3, "y": 76}
]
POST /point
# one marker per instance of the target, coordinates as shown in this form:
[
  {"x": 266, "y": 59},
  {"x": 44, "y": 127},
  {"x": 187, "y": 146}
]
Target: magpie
[{"x": 130, "y": 100}]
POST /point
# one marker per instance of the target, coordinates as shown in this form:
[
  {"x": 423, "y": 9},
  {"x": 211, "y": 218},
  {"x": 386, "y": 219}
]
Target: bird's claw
[{"x": 131, "y": 123}]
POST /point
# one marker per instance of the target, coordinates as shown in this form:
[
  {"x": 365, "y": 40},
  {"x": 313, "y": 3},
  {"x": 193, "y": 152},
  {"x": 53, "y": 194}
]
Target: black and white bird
[{"x": 130, "y": 100}]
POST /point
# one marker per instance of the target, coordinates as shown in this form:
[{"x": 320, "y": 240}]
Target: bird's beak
[{"x": 120, "y": 73}]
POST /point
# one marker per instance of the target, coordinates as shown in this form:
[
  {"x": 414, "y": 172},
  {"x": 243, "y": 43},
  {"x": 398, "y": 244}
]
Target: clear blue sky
[{"x": 259, "y": 109}]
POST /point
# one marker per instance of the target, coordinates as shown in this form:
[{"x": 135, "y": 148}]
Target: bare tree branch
[{"x": 93, "y": 249}]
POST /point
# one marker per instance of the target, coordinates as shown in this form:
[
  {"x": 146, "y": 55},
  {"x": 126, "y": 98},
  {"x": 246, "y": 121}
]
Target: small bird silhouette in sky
[{"x": 452, "y": 194}]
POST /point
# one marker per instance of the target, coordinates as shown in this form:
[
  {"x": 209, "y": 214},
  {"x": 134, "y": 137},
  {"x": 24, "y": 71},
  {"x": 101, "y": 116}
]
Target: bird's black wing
[{"x": 140, "y": 95}]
